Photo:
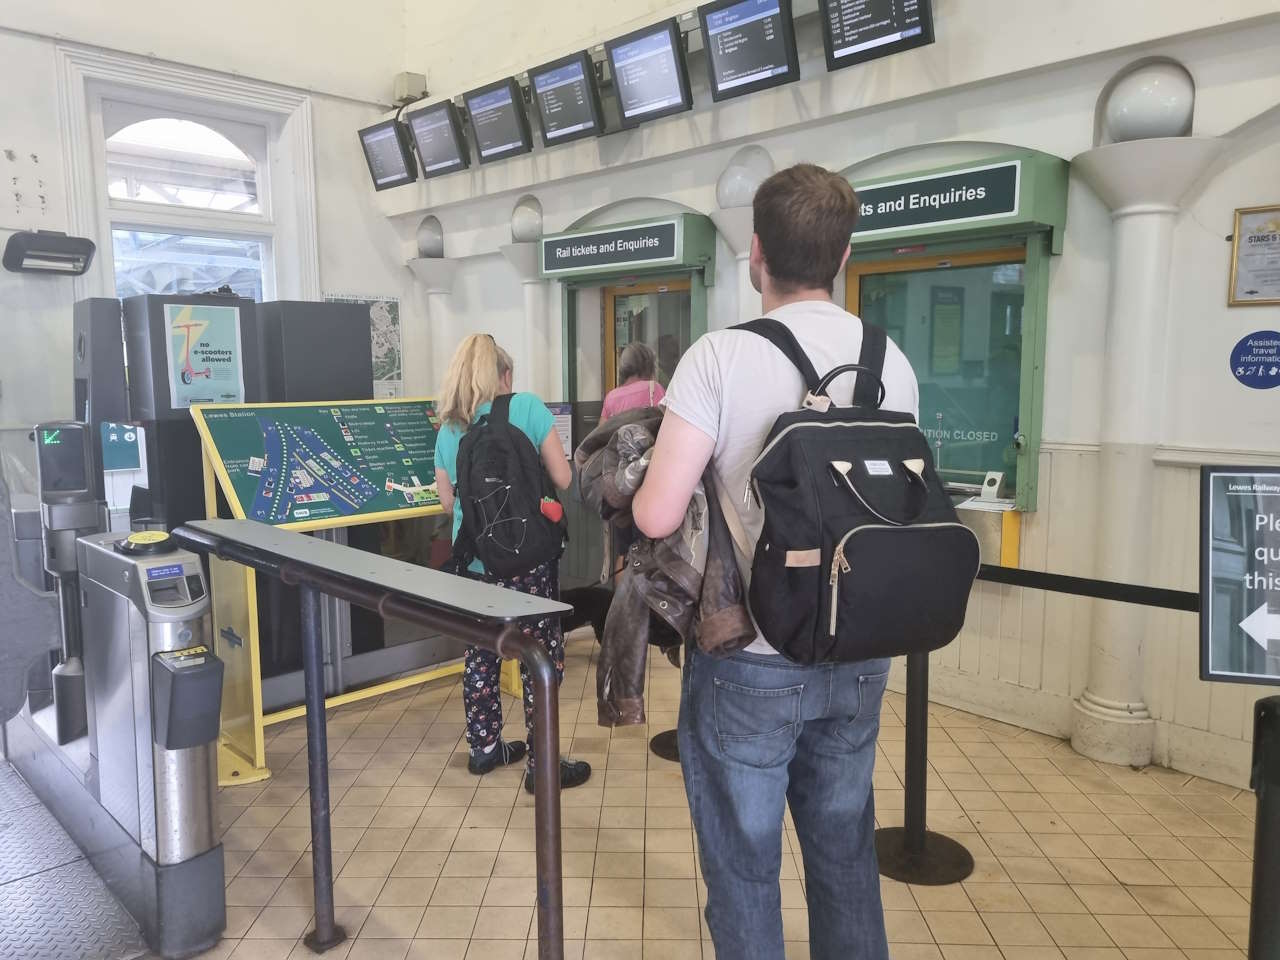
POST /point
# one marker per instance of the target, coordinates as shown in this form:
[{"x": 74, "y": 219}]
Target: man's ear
[
  {"x": 848, "y": 249},
  {"x": 756, "y": 256}
]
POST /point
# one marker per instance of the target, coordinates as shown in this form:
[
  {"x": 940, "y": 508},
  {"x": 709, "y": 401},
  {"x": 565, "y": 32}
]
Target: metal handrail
[{"x": 502, "y": 636}]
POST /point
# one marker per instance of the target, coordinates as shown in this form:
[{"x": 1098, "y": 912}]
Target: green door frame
[{"x": 1037, "y": 223}]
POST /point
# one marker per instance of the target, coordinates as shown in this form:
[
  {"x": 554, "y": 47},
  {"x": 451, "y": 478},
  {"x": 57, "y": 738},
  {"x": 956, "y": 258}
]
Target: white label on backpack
[{"x": 878, "y": 468}]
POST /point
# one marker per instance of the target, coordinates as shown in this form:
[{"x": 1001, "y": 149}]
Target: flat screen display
[
  {"x": 388, "y": 154},
  {"x": 750, "y": 45},
  {"x": 649, "y": 73},
  {"x": 438, "y": 133},
  {"x": 498, "y": 121},
  {"x": 854, "y": 31},
  {"x": 63, "y": 459},
  {"x": 565, "y": 94}
]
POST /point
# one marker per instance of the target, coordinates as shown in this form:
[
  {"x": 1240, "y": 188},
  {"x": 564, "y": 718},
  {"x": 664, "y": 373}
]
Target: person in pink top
[{"x": 637, "y": 368}]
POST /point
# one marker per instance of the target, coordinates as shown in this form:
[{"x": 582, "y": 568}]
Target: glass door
[
  {"x": 657, "y": 313},
  {"x": 958, "y": 318}
]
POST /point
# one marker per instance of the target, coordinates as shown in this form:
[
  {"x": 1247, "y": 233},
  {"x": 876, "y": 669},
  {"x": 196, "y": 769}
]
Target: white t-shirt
[{"x": 732, "y": 385}]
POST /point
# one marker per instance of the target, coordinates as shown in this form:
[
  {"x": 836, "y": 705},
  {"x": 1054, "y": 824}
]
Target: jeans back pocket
[{"x": 754, "y": 726}]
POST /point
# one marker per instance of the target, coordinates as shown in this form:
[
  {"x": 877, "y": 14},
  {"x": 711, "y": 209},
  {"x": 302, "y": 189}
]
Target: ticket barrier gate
[{"x": 124, "y": 756}]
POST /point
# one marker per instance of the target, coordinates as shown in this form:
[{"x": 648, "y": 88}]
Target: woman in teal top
[{"x": 480, "y": 371}]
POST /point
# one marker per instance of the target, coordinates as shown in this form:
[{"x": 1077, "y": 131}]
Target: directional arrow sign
[{"x": 1262, "y": 626}]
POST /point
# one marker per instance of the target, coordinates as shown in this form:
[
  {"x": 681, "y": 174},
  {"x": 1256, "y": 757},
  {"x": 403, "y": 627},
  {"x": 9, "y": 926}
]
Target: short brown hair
[{"x": 804, "y": 216}]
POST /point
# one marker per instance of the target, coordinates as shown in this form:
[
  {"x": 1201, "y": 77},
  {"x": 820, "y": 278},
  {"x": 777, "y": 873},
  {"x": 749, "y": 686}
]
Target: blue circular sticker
[{"x": 1255, "y": 360}]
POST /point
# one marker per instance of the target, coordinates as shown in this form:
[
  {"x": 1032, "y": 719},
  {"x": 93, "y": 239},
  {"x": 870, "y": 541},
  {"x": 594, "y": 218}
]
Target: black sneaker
[
  {"x": 507, "y": 751},
  {"x": 573, "y": 773}
]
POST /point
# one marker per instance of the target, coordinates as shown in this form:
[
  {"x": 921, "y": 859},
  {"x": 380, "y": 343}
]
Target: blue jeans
[{"x": 756, "y": 733}]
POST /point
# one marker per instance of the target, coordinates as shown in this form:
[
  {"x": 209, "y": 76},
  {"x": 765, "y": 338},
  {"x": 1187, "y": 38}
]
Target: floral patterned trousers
[{"x": 481, "y": 681}]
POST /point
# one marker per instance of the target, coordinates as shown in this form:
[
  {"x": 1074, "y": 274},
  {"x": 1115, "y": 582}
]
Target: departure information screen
[
  {"x": 566, "y": 100},
  {"x": 386, "y": 155},
  {"x": 437, "y": 133},
  {"x": 498, "y": 121},
  {"x": 749, "y": 45},
  {"x": 649, "y": 73},
  {"x": 858, "y": 30}
]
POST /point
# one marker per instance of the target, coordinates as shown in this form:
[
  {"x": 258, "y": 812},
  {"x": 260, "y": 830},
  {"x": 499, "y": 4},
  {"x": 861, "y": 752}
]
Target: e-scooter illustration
[{"x": 189, "y": 373}]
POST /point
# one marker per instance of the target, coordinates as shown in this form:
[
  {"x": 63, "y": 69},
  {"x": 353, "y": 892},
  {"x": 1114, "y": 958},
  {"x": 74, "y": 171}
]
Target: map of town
[{"x": 310, "y": 463}]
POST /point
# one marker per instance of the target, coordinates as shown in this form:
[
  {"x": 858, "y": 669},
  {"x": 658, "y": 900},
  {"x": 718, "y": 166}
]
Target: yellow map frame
[{"x": 242, "y": 754}]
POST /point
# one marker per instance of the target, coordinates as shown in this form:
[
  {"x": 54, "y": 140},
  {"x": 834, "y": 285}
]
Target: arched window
[
  {"x": 183, "y": 163},
  {"x": 187, "y": 199}
]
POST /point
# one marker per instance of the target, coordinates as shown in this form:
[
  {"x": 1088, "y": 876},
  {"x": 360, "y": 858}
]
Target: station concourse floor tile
[{"x": 1074, "y": 860}]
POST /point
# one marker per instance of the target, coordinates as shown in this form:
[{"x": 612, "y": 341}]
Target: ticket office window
[
  {"x": 658, "y": 314},
  {"x": 965, "y": 321}
]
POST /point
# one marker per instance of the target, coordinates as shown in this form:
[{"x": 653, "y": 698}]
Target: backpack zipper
[{"x": 839, "y": 564}]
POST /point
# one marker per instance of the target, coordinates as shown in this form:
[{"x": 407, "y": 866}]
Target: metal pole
[
  {"x": 912, "y": 853},
  {"x": 546, "y": 810},
  {"x": 1264, "y": 924},
  {"x": 327, "y": 933},
  {"x": 917, "y": 753}
]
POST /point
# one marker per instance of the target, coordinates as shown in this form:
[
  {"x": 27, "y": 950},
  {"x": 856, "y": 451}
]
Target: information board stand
[{"x": 305, "y": 467}]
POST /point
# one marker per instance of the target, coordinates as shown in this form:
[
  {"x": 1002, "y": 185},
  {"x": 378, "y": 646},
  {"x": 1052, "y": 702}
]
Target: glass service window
[{"x": 961, "y": 328}]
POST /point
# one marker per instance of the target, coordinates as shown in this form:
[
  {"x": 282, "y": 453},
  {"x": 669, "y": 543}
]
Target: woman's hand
[{"x": 445, "y": 489}]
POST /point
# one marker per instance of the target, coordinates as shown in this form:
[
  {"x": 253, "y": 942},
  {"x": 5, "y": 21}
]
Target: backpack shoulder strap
[
  {"x": 867, "y": 390},
  {"x": 782, "y": 338},
  {"x": 500, "y": 412}
]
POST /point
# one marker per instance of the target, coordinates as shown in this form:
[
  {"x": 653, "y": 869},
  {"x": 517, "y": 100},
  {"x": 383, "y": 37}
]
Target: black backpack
[
  {"x": 862, "y": 555},
  {"x": 501, "y": 485}
]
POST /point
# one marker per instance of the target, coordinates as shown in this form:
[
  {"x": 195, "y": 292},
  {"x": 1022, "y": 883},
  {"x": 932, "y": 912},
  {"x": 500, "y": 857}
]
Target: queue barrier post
[
  {"x": 1264, "y": 924},
  {"x": 912, "y": 853}
]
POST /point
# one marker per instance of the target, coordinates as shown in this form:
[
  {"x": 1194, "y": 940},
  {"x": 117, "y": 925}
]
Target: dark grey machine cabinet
[{"x": 315, "y": 352}]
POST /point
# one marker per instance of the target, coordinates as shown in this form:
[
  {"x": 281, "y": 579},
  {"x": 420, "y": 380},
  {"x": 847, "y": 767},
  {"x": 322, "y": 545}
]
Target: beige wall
[{"x": 331, "y": 46}]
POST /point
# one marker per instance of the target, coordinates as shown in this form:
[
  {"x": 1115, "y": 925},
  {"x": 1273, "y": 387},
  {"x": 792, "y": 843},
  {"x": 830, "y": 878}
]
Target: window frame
[
  {"x": 1030, "y": 249},
  {"x": 287, "y": 225}
]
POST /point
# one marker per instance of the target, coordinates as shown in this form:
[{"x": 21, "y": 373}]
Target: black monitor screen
[
  {"x": 498, "y": 121},
  {"x": 388, "y": 155},
  {"x": 750, "y": 45},
  {"x": 438, "y": 134},
  {"x": 649, "y": 73},
  {"x": 566, "y": 97},
  {"x": 857, "y": 30},
  {"x": 63, "y": 456}
]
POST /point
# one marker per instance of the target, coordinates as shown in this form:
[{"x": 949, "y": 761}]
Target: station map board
[
  {"x": 1240, "y": 574},
  {"x": 312, "y": 465}
]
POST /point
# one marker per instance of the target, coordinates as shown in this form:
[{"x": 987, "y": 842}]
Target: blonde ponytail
[{"x": 474, "y": 378}]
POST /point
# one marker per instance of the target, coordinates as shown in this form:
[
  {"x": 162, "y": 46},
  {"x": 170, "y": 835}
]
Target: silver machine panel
[{"x": 134, "y": 608}]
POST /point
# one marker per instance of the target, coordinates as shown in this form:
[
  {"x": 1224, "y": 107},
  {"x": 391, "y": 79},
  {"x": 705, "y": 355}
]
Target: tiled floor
[{"x": 1075, "y": 860}]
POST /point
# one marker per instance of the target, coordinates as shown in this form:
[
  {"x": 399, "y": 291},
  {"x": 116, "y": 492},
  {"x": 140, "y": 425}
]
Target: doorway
[
  {"x": 657, "y": 313},
  {"x": 959, "y": 319}
]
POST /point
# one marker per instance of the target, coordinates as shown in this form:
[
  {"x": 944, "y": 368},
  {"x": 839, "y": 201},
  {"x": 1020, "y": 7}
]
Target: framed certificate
[{"x": 1255, "y": 257}]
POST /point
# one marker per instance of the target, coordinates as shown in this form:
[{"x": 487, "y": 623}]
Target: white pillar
[
  {"x": 1143, "y": 182},
  {"x": 435, "y": 275},
  {"x": 537, "y": 340},
  {"x": 735, "y": 225}
]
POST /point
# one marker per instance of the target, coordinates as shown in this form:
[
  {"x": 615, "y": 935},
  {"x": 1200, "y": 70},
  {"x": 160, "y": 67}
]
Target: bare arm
[
  {"x": 445, "y": 489},
  {"x": 680, "y": 455},
  {"x": 554, "y": 459}
]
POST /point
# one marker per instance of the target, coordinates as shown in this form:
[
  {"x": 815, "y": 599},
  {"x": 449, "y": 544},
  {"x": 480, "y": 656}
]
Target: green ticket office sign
[
  {"x": 676, "y": 243},
  {"x": 317, "y": 465},
  {"x": 1240, "y": 574}
]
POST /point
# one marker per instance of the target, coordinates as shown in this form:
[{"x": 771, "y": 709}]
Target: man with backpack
[{"x": 759, "y": 731}]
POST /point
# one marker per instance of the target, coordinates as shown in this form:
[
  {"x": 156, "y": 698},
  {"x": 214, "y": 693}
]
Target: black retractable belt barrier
[
  {"x": 1264, "y": 924},
  {"x": 913, "y": 854}
]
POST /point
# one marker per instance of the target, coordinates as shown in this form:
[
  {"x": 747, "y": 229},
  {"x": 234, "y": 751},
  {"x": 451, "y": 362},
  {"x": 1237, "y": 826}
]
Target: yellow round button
[{"x": 146, "y": 537}]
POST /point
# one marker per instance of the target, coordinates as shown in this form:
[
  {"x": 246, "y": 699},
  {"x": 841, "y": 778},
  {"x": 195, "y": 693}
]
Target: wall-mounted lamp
[{"x": 47, "y": 251}]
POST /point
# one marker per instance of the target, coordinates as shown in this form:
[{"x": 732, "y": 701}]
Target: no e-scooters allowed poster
[{"x": 202, "y": 342}]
